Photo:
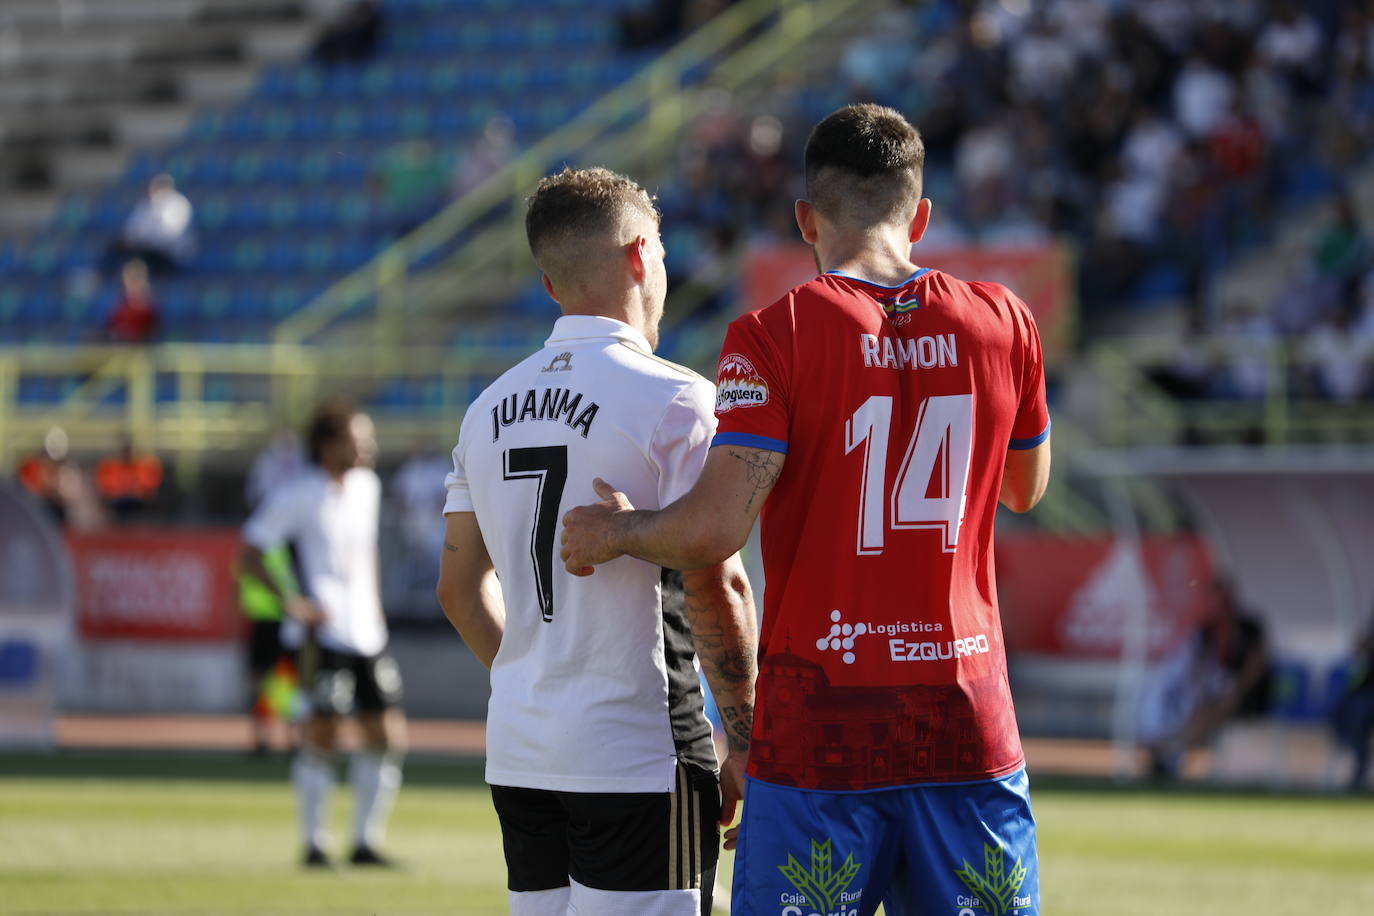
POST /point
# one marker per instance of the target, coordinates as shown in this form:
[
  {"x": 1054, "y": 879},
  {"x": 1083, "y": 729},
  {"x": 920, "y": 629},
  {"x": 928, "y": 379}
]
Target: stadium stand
[
  {"x": 85, "y": 83},
  {"x": 320, "y": 165},
  {"x": 291, "y": 184}
]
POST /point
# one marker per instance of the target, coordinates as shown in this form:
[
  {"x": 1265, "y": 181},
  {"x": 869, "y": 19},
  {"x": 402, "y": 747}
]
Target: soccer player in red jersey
[{"x": 877, "y": 415}]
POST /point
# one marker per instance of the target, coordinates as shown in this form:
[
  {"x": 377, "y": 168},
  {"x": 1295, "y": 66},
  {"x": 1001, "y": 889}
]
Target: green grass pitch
[{"x": 106, "y": 834}]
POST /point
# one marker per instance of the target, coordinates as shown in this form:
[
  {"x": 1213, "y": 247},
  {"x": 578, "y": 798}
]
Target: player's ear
[
  {"x": 548, "y": 288},
  {"x": 921, "y": 221},
  {"x": 806, "y": 220},
  {"x": 638, "y": 252}
]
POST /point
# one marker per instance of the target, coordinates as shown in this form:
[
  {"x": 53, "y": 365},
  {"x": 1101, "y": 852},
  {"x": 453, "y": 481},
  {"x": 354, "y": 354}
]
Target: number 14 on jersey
[{"x": 929, "y": 491}]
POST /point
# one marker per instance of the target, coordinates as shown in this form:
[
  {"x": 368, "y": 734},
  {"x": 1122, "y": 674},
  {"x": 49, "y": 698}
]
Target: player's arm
[
  {"x": 250, "y": 561},
  {"x": 275, "y": 522},
  {"x": 1252, "y": 670},
  {"x": 720, "y": 610},
  {"x": 705, "y": 526},
  {"x": 468, "y": 590},
  {"x": 1025, "y": 476}
]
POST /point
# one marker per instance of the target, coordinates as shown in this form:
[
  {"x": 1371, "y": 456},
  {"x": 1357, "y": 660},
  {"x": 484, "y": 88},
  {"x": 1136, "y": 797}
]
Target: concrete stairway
[{"x": 85, "y": 82}]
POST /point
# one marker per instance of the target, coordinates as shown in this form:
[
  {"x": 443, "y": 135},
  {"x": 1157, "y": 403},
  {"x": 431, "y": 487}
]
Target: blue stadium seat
[
  {"x": 312, "y": 125},
  {"x": 11, "y": 299},
  {"x": 341, "y": 83},
  {"x": 207, "y": 125},
  {"x": 277, "y": 83},
  {"x": 72, "y": 215},
  {"x": 249, "y": 301},
  {"x": 210, "y": 168},
  {"x": 283, "y": 255},
  {"x": 176, "y": 301},
  {"x": 45, "y": 389},
  {"x": 166, "y": 388},
  {"x": 283, "y": 300}
]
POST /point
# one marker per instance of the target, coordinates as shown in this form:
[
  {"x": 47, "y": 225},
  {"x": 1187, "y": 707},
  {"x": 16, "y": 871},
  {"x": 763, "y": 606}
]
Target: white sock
[
  {"x": 313, "y": 778},
  {"x": 375, "y": 778}
]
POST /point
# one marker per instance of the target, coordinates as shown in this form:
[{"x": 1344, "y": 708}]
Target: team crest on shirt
[
  {"x": 738, "y": 384},
  {"x": 899, "y": 306},
  {"x": 560, "y": 363}
]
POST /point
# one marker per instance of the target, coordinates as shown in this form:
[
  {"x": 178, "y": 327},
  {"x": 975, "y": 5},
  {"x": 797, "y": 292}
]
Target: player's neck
[
  {"x": 333, "y": 473},
  {"x": 880, "y": 258},
  {"x": 629, "y": 311}
]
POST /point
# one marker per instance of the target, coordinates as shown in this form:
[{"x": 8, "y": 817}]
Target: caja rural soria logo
[
  {"x": 738, "y": 384},
  {"x": 995, "y": 890},
  {"x": 822, "y": 889}
]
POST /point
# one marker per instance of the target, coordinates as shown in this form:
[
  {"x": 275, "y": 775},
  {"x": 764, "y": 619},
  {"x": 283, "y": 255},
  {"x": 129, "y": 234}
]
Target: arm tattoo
[
  {"x": 763, "y": 472},
  {"x": 739, "y": 725},
  {"x": 728, "y": 657},
  {"x": 450, "y": 547}
]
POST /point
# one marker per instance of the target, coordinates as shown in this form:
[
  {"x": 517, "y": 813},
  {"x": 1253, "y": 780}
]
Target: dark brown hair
[
  {"x": 329, "y": 424},
  {"x": 863, "y": 165}
]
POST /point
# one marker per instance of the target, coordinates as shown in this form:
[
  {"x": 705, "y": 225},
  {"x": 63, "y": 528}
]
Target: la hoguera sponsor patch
[{"x": 738, "y": 384}]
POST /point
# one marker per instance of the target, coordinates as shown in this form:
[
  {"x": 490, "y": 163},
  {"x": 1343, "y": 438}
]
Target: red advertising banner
[
  {"x": 1039, "y": 274},
  {"x": 1079, "y": 596},
  {"x": 157, "y": 584}
]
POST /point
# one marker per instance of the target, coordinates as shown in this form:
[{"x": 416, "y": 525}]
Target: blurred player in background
[
  {"x": 1222, "y": 673},
  {"x": 329, "y": 515},
  {"x": 881, "y": 410},
  {"x": 271, "y": 671},
  {"x": 599, "y": 754},
  {"x": 1353, "y": 715}
]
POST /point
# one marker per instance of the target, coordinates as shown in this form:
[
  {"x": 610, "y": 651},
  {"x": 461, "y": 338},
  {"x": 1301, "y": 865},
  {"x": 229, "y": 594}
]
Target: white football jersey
[
  {"x": 594, "y": 688},
  {"x": 332, "y": 530}
]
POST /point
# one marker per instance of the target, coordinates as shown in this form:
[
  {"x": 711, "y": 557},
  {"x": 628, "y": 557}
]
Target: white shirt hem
[{"x": 552, "y": 782}]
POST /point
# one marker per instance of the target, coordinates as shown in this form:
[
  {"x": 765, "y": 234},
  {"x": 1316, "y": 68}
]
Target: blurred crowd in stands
[
  {"x": 123, "y": 487},
  {"x": 1163, "y": 137}
]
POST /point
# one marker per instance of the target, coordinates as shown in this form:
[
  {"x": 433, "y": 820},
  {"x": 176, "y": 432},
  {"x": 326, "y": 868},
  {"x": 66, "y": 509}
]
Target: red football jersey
[{"x": 881, "y": 655}]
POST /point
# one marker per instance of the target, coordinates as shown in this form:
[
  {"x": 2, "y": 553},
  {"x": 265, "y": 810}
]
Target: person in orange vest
[
  {"x": 128, "y": 482},
  {"x": 48, "y": 474}
]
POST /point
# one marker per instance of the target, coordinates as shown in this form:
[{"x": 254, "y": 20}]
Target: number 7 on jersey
[
  {"x": 939, "y": 448},
  {"x": 549, "y": 466}
]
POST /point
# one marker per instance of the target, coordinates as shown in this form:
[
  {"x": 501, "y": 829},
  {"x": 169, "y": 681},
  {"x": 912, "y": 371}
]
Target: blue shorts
[{"x": 965, "y": 849}]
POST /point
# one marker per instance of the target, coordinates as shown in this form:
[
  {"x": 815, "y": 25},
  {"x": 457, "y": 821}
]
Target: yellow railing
[
  {"x": 634, "y": 127},
  {"x": 191, "y": 424},
  {"x": 165, "y": 397},
  {"x": 1135, "y": 410}
]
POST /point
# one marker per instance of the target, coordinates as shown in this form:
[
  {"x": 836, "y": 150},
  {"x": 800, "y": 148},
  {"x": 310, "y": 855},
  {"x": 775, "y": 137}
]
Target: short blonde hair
[{"x": 575, "y": 204}]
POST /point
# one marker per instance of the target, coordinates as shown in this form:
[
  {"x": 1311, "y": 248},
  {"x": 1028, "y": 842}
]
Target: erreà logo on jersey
[{"x": 738, "y": 384}]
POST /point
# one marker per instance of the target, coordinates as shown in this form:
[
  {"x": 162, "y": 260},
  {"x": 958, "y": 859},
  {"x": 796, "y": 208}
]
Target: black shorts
[
  {"x": 339, "y": 684},
  {"x": 264, "y": 646},
  {"x": 614, "y": 841}
]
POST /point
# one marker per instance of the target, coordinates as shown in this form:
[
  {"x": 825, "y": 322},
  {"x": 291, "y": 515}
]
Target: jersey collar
[
  {"x": 595, "y": 327},
  {"x": 920, "y": 271}
]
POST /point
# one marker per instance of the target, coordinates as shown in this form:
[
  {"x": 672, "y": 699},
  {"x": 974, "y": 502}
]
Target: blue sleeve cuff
[
  {"x": 1021, "y": 445},
  {"x": 749, "y": 440}
]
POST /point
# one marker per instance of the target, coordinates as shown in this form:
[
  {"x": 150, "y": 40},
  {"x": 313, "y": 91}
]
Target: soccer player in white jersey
[
  {"x": 328, "y": 516},
  {"x": 599, "y": 754}
]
